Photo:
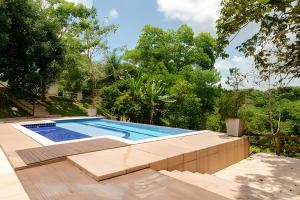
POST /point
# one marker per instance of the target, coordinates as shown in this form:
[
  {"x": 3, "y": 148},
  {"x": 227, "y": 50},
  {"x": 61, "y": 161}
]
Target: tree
[
  {"x": 31, "y": 52},
  {"x": 93, "y": 40},
  {"x": 153, "y": 94},
  {"x": 113, "y": 66},
  {"x": 153, "y": 90},
  {"x": 185, "y": 111},
  {"x": 68, "y": 17},
  {"x": 174, "y": 49},
  {"x": 231, "y": 101},
  {"x": 74, "y": 77},
  {"x": 236, "y": 79},
  {"x": 276, "y": 46},
  {"x": 129, "y": 104}
]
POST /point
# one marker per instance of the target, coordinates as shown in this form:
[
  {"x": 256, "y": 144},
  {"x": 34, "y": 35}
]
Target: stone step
[
  {"x": 39, "y": 110},
  {"x": 229, "y": 189}
]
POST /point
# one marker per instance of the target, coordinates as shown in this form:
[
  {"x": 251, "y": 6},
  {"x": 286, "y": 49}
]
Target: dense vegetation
[
  {"x": 30, "y": 48},
  {"x": 168, "y": 78}
]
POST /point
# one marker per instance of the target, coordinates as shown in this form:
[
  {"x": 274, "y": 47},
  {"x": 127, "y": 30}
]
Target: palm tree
[
  {"x": 153, "y": 95},
  {"x": 113, "y": 65}
]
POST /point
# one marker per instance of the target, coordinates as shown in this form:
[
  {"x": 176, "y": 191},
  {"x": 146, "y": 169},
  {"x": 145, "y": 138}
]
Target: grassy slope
[
  {"x": 66, "y": 107},
  {"x": 7, "y": 108}
]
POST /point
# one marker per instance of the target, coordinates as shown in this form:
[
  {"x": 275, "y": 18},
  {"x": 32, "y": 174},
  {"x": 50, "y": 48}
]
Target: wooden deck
[
  {"x": 60, "y": 151},
  {"x": 62, "y": 180}
]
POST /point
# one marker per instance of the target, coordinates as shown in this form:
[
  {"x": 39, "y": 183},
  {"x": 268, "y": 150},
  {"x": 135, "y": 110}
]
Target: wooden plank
[
  {"x": 42, "y": 154},
  {"x": 62, "y": 180}
]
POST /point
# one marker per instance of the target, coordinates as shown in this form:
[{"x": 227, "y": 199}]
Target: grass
[
  {"x": 8, "y": 109},
  {"x": 66, "y": 107},
  {"x": 70, "y": 108}
]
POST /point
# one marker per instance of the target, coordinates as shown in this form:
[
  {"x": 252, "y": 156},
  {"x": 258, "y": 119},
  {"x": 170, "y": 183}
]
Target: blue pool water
[{"x": 63, "y": 130}]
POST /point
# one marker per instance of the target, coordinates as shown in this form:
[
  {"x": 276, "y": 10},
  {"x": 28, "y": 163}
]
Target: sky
[{"x": 132, "y": 15}]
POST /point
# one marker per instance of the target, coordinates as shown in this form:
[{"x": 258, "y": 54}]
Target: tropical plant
[
  {"x": 113, "y": 66},
  {"x": 232, "y": 101},
  {"x": 235, "y": 79},
  {"x": 153, "y": 95}
]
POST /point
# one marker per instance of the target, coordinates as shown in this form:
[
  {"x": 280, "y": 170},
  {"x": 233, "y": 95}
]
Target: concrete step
[
  {"x": 229, "y": 189},
  {"x": 39, "y": 110}
]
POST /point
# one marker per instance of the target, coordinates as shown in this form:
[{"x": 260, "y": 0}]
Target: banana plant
[{"x": 153, "y": 95}]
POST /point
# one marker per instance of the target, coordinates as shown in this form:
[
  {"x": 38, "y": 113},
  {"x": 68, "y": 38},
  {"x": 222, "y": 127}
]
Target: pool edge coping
[{"x": 46, "y": 142}]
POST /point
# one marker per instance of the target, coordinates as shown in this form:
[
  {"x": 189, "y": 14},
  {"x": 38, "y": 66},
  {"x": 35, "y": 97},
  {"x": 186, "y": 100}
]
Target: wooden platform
[
  {"x": 57, "y": 152},
  {"x": 62, "y": 180}
]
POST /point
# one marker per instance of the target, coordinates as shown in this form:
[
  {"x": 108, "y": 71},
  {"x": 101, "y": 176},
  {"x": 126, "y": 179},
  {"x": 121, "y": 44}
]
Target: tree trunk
[
  {"x": 93, "y": 80},
  {"x": 151, "y": 113}
]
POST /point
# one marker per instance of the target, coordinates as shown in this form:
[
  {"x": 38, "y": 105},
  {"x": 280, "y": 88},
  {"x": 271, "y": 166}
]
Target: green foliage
[
  {"x": 286, "y": 107},
  {"x": 173, "y": 49},
  {"x": 31, "y": 50},
  {"x": 74, "y": 77},
  {"x": 66, "y": 107},
  {"x": 168, "y": 79},
  {"x": 214, "y": 121},
  {"x": 93, "y": 41},
  {"x": 232, "y": 101},
  {"x": 236, "y": 79},
  {"x": 230, "y": 104},
  {"x": 275, "y": 47},
  {"x": 153, "y": 95},
  {"x": 185, "y": 111}
]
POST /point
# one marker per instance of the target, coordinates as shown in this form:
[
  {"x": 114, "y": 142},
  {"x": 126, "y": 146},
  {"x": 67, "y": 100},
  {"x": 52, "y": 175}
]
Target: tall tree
[
  {"x": 31, "y": 51},
  {"x": 68, "y": 17},
  {"x": 174, "y": 49},
  {"x": 276, "y": 45},
  {"x": 93, "y": 40}
]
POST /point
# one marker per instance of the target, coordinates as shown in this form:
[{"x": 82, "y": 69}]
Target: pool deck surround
[{"x": 101, "y": 168}]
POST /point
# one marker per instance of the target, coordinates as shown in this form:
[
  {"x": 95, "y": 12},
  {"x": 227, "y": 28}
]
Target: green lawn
[{"x": 66, "y": 107}]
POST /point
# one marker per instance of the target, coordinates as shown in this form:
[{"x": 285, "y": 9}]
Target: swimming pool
[{"x": 66, "y": 130}]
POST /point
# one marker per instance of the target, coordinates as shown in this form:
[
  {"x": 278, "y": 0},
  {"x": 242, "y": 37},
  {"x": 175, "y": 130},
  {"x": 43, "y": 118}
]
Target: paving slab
[
  {"x": 173, "y": 153},
  {"x": 113, "y": 162},
  {"x": 266, "y": 172},
  {"x": 10, "y": 186},
  {"x": 12, "y": 140}
]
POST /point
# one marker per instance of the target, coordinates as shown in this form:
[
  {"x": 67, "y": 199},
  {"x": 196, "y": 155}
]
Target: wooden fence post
[{"x": 278, "y": 144}]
